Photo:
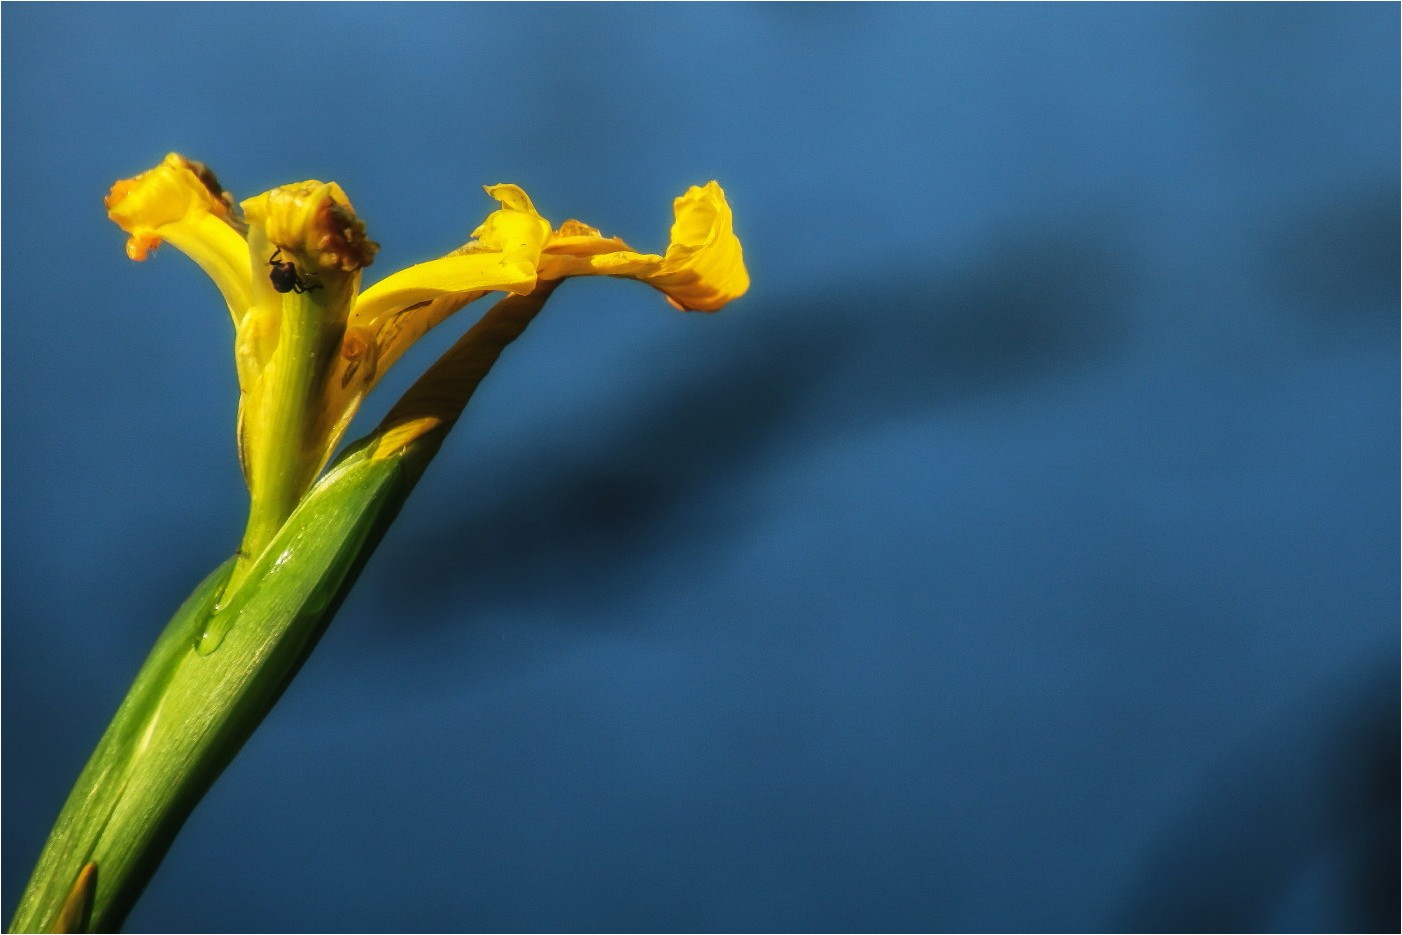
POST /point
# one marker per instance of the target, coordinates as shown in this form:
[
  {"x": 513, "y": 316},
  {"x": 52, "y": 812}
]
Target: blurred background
[{"x": 1020, "y": 553}]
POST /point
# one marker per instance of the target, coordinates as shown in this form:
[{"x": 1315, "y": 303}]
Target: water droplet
[{"x": 215, "y": 630}]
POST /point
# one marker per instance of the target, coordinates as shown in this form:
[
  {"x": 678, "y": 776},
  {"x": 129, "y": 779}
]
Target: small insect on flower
[{"x": 284, "y": 276}]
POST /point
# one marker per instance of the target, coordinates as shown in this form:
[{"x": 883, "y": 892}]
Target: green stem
[
  {"x": 304, "y": 344},
  {"x": 195, "y": 703},
  {"x": 216, "y": 671}
]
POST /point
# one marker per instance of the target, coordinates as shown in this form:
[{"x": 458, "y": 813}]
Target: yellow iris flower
[{"x": 309, "y": 343}]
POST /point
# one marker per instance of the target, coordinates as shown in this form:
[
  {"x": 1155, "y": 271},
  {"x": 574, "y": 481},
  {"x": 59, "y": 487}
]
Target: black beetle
[{"x": 284, "y": 276}]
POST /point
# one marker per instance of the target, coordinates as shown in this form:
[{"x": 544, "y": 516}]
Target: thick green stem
[
  {"x": 196, "y": 700},
  {"x": 216, "y": 671}
]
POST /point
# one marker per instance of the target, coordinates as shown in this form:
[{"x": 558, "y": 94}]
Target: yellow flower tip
[
  {"x": 514, "y": 229},
  {"x": 512, "y": 197},
  {"x": 168, "y": 194},
  {"x": 704, "y": 267},
  {"x": 702, "y": 270},
  {"x": 314, "y": 221},
  {"x": 173, "y": 185}
]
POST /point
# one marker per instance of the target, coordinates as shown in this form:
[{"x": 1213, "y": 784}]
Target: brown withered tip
[
  {"x": 575, "y": 228},
  {"x": 343, "y": 244},
  {"x": 208, "y": 179}
]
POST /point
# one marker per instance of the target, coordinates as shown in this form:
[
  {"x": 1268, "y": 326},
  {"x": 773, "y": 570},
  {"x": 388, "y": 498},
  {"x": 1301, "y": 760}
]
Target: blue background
[{"x": 1020, "y": 553}]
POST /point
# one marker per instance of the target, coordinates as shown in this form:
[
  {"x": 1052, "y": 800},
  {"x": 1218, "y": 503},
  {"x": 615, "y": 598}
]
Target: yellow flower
[
  {"x": 701, "y": 271},
  {"x": 310, "y": 344}
]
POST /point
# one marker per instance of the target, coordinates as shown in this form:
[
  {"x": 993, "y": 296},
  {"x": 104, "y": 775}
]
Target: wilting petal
[
  {"x": 314, "y": 224},
  {"x": 181, "y": 201},
  {"x": 703, "y": 267},
  {"x": 502, "y": 256}
]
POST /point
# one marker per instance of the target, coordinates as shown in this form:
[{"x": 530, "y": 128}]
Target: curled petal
[
  {"x": 702, "y": 270},
  {"x": 503, "y": 256},
  {"x": 315, "y": 224},
  {"x": 181, "y": 201}
]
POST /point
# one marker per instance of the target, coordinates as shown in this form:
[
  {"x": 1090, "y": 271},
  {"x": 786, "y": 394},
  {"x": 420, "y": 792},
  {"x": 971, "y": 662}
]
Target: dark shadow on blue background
[
  {"x": 870, "y": 356},
  {"x": 1224, "y": 864},
  {"x": 1020, "y": 554}
]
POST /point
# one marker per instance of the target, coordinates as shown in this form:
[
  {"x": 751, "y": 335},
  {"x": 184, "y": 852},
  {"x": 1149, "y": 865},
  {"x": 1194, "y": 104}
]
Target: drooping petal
[
  {"x": 181, "y": 201},
  {"x": 702, "y": 270},
  {"x": 502, "y": 256}
]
